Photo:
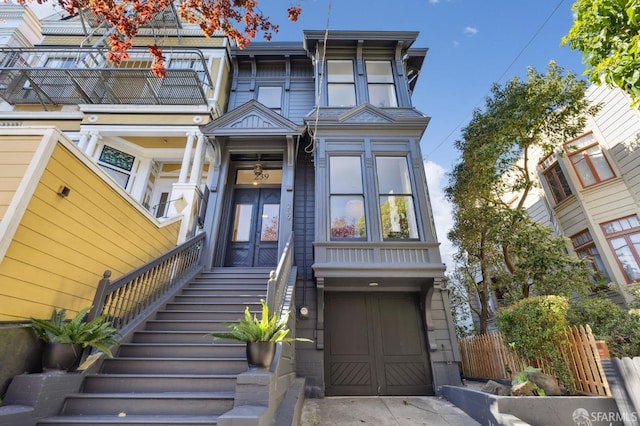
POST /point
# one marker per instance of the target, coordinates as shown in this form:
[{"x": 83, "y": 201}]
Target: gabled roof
[
  {"x": 252, "y": 118},
  {"x": 367, "y": 116}
]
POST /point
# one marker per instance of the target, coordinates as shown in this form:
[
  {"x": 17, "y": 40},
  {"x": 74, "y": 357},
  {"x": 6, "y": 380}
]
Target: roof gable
[{"x": 252, "y": 118}]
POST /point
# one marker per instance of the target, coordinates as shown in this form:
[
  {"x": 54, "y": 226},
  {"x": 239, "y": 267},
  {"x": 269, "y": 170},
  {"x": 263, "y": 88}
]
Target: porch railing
[
  {"x": 126, "y": 300},
  {"x": 279, "y": 279}
]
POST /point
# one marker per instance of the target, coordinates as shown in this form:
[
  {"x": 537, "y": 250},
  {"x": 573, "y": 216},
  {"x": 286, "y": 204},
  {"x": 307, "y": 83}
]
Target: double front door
[{"x": 253, "y": 234}]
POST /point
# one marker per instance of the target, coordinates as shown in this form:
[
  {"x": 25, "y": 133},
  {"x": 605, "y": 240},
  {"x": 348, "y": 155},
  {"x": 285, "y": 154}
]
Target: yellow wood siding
[
  {"x": 16, "y": 153},
  {"x": 63, "y": 245},
  {"x": 147, "y": 119}
]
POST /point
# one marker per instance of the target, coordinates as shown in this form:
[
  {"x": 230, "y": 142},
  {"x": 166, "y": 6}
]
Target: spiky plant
[
  {"x": 97, "y": 333},
  {"x": 250, "y": 328}
]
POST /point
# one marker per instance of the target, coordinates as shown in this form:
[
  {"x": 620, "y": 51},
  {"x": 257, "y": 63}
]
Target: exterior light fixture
[
  {"x": 373, "y": 284},
  {"x": 64, "y": 191},
  {"x": 259, "y": 173}
]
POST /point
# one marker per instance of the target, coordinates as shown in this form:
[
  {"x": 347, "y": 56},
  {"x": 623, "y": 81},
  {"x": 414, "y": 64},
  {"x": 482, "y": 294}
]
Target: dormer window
[
  {"x": 271, "y": 97},
  {"x": 382, "y": 91},
  {"x": 341, "y": 88}
]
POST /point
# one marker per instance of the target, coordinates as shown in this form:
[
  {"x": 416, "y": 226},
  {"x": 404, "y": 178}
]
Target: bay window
[
  {"x": 585, "y": 248},
  {"x": 556, "y": 180}
]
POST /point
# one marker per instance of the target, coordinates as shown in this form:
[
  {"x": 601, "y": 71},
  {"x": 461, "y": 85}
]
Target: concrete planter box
[{"x": 488, "y": 409}]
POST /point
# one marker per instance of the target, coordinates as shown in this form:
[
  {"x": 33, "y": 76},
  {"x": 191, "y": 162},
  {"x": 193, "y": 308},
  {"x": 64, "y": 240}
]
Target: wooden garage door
[{"x": 375, "y": 345}]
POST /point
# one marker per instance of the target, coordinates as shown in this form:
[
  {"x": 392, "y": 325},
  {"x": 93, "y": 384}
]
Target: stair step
[
  {"x": 209, "y": 349},
  {"x": 228, "y": 316},
  {"x": 171, "y": 337},
  {"x": 213, "y": 307},
  {"x": 149, "y": 420},
  {"x": 222, "y": 300},
  {"x": 113, "y": 383},
  {"x": 187, "y": 325},
  {"x": 170, "y": 403},
  {"x": 224, "y": 294},
  {"x": 230, "y": 365}
]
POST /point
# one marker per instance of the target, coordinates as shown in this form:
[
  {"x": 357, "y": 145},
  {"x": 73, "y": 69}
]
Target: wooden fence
[{"x": 486, "y": 356}]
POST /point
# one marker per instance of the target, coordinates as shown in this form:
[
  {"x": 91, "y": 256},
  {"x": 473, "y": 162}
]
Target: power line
[{"x": 533, "y": 37}]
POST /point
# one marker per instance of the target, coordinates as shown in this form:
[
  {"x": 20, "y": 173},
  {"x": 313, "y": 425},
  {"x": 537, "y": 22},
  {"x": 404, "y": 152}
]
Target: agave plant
[
  {"x": 250, "y": 328},
  {"x": 97, "y": 333}
]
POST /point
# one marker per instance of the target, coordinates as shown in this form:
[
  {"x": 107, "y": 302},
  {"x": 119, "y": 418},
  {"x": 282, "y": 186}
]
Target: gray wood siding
[
  {"x": 616, "y": 121},
  {"x": 309, "y": 360},
  {"x": 301, "y": 100},
  {"x": 571, "y": 217},
  {"x": 609, "y": 201}
]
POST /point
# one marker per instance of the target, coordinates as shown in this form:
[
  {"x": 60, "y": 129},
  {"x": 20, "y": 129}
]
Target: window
[
  {"x": 585, "y": 248},
  {"x": 397, "y": 212},
  {"x": 341, "y": 88},
  {"x": 271, "y": 97},
  {"x": 588, "y": 160},
  {"x": 117, "y": 164},
  {"x": 382, "y": 91},
  {"x": 346, "y": 198},
  {"x": 553, "y": 174},
  {"x": 624, "y": 238}
]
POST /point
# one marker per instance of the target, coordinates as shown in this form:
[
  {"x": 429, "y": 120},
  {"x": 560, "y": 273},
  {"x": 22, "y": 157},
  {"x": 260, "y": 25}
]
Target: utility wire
[{"x": 533, "y": 37}]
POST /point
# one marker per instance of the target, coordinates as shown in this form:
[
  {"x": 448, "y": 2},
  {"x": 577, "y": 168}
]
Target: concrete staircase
[{"x": 172, "y": 373}]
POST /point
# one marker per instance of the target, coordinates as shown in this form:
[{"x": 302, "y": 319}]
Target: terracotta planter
[
  {"x": 61, "y": 356},
  {"x": 260, "y": 354}
]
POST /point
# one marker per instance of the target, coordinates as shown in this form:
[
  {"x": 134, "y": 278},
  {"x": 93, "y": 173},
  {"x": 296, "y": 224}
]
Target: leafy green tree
[
  {"x": 521, "y": 121},
  {"x": 607, "y": 32}
]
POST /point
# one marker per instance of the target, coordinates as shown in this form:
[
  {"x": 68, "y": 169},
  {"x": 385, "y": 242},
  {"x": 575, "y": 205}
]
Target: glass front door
[{"x": 253, "y": 236}]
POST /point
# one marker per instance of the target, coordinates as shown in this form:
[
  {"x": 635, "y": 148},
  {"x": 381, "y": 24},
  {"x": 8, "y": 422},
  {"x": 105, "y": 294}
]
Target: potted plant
[
  {"x": 65, "y": 340},
  {"x": 260, "y": 334}
]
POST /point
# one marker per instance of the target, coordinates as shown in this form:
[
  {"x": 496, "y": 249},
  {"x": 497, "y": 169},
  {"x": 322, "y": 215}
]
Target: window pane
[
  {"x": 583, "y": 170},
  {"x": 600, "y": 163},
  {"x": 117, "y": 158},
  {"x": 393, "y": 175},
  {"x": 382, "y": 95},
  {"x": 345, "y": 175},
  {"x": 270, "y": 97},
  {"x": 270, "y": 216},
  {"x": 242, "y": 222},
  {"x": 398, "y": 217},
  {"x": 340, "y": 72},
  {"x": 341, "y": 95},
  {"x": 379, "y": 72},
  {"x": 347, "y": 217},
  {"x": 121, "y": 177}
]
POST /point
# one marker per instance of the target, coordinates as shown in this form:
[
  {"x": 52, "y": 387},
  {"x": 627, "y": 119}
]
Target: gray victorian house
[{"x": 328, "y": 130}]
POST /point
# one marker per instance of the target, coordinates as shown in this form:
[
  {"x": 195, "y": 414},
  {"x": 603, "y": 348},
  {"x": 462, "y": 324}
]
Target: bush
[
  {"x": 608, "y": 322},
  {"x": 536, "y": 329}
]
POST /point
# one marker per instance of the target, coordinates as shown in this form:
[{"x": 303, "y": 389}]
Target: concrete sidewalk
[{"x": 383, "y": 411}]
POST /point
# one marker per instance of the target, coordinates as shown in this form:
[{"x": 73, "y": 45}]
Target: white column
[
  {"x": 91, "y": 146},
  {"x": 196, "y": 168},
  {"x": 186, "y": 159},
  {"x": 141, "y": 178},
  {"x": 82, "y": 143}
]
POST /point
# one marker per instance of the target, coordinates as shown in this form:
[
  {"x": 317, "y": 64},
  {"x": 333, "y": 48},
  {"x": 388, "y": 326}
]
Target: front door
[
  {"x": 253, "y": 236},
  {"x": 375, "y": 345}
]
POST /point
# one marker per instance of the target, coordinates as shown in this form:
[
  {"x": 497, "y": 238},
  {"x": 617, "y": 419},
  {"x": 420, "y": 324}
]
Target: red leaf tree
[{"x": 240, "y": 20}]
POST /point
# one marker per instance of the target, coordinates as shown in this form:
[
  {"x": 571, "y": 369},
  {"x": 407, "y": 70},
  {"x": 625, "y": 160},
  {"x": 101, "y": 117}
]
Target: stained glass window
[{"x": 117, "y": 158}]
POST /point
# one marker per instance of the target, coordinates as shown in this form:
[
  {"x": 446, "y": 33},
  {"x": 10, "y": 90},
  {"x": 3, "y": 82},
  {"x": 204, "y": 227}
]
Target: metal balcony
[{"x": 69, "y": 76}]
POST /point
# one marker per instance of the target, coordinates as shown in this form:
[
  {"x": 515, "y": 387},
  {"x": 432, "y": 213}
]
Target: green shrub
[
  {"x": 608, "y": 322},
  {"x": 536, "y": 329}
]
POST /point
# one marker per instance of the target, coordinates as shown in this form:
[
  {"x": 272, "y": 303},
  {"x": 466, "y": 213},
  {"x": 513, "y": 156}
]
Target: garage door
[{"x": 375, "y": 345}]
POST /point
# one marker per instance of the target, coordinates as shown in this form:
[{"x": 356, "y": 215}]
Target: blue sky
[{"x": 472, "y": 44}]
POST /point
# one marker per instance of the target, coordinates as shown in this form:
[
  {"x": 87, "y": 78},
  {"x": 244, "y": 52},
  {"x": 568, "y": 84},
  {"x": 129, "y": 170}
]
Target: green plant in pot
[
  {"x": 260, "y": 334},
  {"x": 66, "y": 340}
]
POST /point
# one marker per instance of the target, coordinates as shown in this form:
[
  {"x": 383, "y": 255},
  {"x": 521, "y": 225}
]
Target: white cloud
[
  {"x": 470, "y": 31},
  {"x": 456, "y": 43},
  {"x": 434, "y": 1},
  {"x": 442, "y": 211}
]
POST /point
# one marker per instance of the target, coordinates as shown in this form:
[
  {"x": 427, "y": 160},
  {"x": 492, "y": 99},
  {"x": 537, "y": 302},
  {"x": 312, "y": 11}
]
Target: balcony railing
[{"x": 69, "y": 76}]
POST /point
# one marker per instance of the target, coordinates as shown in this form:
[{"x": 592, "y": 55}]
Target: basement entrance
[{"x": 375, "y": 345}]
